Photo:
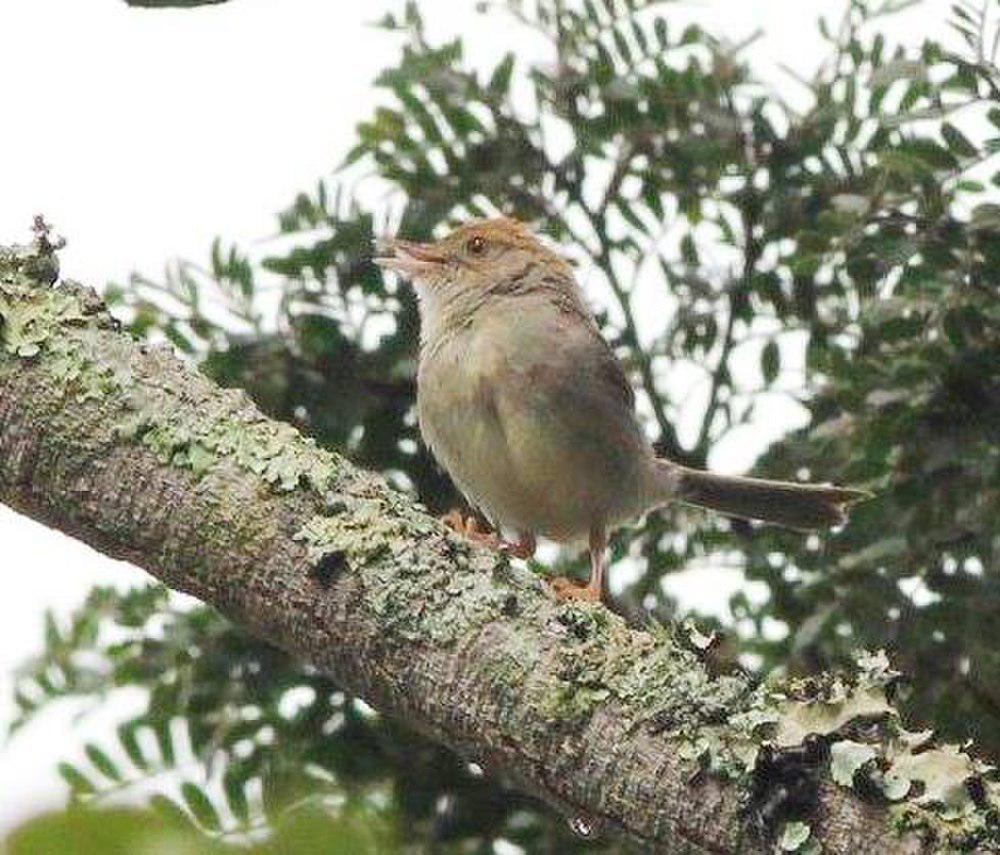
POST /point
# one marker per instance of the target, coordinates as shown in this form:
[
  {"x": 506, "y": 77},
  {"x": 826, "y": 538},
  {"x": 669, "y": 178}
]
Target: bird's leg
[
  {"x": 598, "y": 561},
  {"x": 469, "y": 528},
  {"x": 524, "y": 548},
  {"x": 593, "y": 591}
]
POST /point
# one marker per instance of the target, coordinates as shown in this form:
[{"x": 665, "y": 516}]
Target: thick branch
[{"x": 131, "y": 450}]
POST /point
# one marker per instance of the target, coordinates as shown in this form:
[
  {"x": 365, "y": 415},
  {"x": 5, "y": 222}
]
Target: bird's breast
[{"x": 459, "y": 421}]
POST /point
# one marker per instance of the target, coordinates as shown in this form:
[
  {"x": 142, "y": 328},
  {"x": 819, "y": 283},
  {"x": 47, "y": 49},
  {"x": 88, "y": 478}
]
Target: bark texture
[{"x": 131, "y": 450}]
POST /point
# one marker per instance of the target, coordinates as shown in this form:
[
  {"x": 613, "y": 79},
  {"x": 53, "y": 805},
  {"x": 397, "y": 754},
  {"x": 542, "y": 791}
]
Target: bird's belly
[
  {"x": 471, "y": 447},
  {"x": 525, "y": 470}
]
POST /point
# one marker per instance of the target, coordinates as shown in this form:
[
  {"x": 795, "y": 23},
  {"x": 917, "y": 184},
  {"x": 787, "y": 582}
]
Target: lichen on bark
[{"x": 127, "y": 447}]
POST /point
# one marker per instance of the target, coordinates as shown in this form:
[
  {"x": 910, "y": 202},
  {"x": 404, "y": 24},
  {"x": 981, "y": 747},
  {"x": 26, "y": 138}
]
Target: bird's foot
[
  {"x": 566, "y": 590},
  {"x": 523, "y": 549},
  {"x": 468, "y": 527}
]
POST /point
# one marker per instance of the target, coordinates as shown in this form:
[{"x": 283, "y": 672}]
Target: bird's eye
[{"x": 476, "y": 245}]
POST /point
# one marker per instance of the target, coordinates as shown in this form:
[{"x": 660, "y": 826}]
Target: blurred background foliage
[{"x": 845, "y": 255}]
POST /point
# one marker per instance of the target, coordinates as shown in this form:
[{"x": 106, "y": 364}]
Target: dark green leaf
[
  {"x": 770, "y": 361},
  {"x": 200, "y": 806},
  {"x": 79, "y": 784},
  {"x": 957, "y": 141},
  {"x": 102, "y": 762}
]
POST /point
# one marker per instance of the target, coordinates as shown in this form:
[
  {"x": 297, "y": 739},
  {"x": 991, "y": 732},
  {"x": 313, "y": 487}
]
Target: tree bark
[{"x": 126, "y": 447}]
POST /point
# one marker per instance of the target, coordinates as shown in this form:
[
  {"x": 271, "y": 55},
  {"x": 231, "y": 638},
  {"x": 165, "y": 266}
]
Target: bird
[{"x": 528, "y": 409}]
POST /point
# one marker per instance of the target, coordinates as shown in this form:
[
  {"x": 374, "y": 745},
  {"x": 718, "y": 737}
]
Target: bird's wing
[
  {"x": 609, "y": 370},
  {"x": 566, "y": 413},
  {"x": 577, "y": 342}
]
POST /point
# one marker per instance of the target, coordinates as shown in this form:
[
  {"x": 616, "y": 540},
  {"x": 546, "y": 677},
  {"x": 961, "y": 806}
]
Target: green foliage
[
  {"x": 861, "y": 232},
  {"x": 125, "y": 832},
  {"x": 911, "y": 409}
]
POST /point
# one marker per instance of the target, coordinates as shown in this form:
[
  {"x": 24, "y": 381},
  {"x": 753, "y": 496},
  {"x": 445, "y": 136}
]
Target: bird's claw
[
  {"x": 468, "y": 527},
  {"x": 523, "y": 549},
  {"x": 566, "y": 590}
]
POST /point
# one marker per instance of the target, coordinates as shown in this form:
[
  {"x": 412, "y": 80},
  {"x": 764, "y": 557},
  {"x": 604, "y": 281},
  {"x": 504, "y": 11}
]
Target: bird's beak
[{"x": 408, "y": 258}]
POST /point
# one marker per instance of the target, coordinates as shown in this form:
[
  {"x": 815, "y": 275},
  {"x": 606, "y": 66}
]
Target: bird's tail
[{"x": 799, "y": 506}]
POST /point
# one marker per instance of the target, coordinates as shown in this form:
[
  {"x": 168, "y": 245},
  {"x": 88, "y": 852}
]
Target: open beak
[{"x": 408, "y": 258}]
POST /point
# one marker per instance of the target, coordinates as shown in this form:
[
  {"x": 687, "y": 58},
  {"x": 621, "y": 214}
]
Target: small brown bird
[{"x": 528, "y": 409}]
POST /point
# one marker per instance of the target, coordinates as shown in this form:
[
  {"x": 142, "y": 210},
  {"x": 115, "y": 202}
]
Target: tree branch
[
  {"x": 126, "y": 447},
  {"x": 736, "y": 290}
]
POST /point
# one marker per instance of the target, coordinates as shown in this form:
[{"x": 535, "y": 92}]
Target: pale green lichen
[
  {"x": 797, "y": 719},
  {"x": 976, "y": 831},
  {"x": 376, "y": 532},
  {"x": 944, "y": 773},
  {"x": 32, "y": 318},
  {"x": 657, "y": 683},
  {"x": 847, "y": 757},
  {"x": 941, "y": 793},
  {"x": 696, "y": 639},
  {"x": 794, "y": 837},
  {"x": 785, "y": 712},
  {"x": 359, "y": 528},
  {"x": 54, "y": 323},
  {"x": 199, "y": 440},
  {"x": 28, "y": 324},
  {"x": 941, "y": 790}
]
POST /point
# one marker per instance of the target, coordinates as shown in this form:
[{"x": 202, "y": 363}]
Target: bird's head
[{"x": 477, "y": 257}]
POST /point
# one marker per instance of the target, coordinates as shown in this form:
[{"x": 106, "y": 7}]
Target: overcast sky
[{"x": 143, "y": 134}]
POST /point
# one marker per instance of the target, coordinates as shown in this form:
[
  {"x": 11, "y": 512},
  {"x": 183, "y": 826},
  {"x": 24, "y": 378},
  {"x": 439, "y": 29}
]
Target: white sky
[{"x": 143, "y": 134}]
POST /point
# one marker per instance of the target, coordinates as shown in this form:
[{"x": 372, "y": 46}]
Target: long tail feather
[{"x": 800, "y": 506}]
